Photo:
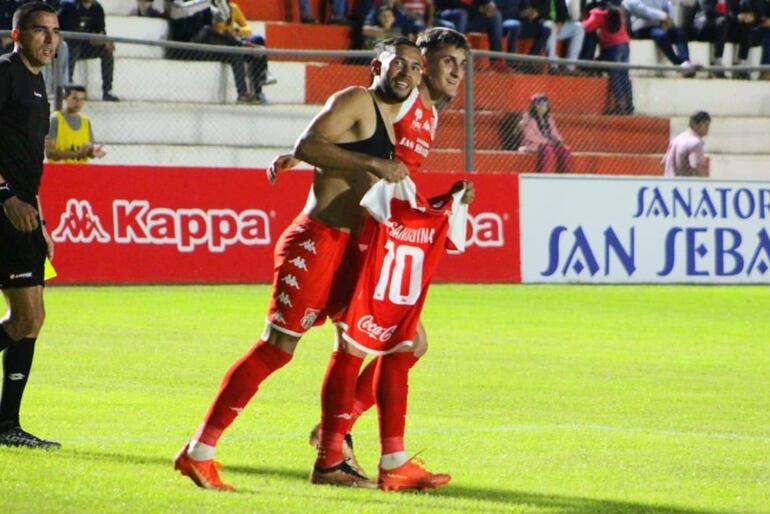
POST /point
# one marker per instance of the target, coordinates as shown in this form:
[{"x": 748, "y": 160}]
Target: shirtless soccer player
[
  {"x": 350, "y": 142},
  {"x": 445, "y": 52}
]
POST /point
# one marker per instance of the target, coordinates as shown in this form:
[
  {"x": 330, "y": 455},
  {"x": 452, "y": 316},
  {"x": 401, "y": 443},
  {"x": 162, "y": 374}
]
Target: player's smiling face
[
  {"x": 39, "y": 38},
  {"x": 445, "y": 71},
  {"x": 401, "y": 72}
]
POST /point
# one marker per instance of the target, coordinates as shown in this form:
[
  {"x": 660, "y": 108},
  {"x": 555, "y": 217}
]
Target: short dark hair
[
  {"x": 699, "y": 117},
  {"x": 24, "y": 13},
  {"x": 73, "y": 87},
  {"x": 390, "y": 44},
  {"x": 440, "y": 37}
]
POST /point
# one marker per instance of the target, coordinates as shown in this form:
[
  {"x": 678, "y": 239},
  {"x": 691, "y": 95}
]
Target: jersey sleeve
[
  {"x": 5, "y": 84},
  {"x": 458, "y": 223}
]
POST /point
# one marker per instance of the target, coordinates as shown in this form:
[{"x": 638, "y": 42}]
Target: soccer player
[
  {"x": 71, "y": 136},
  {"x": 445, "y": 52},
  {"x": 404, "y": 249},
  {"x": 350, "y": 142},
  {"x": 24, "y": 240}
]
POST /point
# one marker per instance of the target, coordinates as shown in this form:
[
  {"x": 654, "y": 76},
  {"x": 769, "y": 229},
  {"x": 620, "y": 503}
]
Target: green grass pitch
[{"x": 537, "y": 399}]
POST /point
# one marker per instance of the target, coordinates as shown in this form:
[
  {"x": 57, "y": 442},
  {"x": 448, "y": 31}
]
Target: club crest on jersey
[
  {"x": 368, "y": 325},
  {"x": 309, "y": 318}
]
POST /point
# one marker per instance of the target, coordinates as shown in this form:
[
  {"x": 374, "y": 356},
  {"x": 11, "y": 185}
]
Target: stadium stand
[{"x": 195, "y": 100}]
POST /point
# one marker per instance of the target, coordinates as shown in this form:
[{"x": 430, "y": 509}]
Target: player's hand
[
  {"x": 97, "y": 152},
  {"x": 48, "y": 243},
  {"x": 85, "y": 150},
  {"x": 281, "y": 163},
  {"x": 393, "y": 171},
  {"x": 22, "y": 215},
  {"x": 667, "y": 22},
  {"x": 470, "y": 190}
]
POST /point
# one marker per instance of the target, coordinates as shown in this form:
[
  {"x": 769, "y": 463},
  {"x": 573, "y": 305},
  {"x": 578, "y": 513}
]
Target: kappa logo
[
  {"x": 485, "y": 230},
  {"x": 79, "y": 224},
  {"x": 137, "y": 222}
]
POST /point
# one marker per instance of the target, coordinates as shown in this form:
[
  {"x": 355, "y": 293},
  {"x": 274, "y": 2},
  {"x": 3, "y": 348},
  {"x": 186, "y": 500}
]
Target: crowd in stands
[{"x": 746, "y": 23}]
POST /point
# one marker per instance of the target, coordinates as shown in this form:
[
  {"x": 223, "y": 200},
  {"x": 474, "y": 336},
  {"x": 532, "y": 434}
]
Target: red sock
[
  {"x": 336, "y": 403},
  {"x": 392, "y": 388},
  {"x": 239, "y": 384},
  {"x": 364, "y": 391}
]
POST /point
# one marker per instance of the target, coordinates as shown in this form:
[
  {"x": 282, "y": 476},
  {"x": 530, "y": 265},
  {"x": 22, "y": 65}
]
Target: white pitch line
[{"x": 730, "y": 436}]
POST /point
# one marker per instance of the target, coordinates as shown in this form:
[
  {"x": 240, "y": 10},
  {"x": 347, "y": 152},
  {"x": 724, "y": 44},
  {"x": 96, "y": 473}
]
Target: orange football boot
[
  {"x": 411, "y": 475},
  {"x": 205, "y": 473}
]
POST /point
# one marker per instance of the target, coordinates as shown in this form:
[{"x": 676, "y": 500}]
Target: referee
[{"x": 24, "y": 241}]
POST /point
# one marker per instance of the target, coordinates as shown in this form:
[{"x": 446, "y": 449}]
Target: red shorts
[{"x": 313, "y": 276}]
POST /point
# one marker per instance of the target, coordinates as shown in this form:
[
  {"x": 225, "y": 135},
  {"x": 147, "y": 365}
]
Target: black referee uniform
[{"x": 24, "y": 118}]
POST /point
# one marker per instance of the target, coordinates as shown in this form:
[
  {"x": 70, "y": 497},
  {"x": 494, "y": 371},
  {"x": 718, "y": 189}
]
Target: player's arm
[
  {"x": 53, "y": 154},
  {"x": 342, "y": 115},
  {"x": 468, "y": 196},
  {"x": 46, "y": 235}
]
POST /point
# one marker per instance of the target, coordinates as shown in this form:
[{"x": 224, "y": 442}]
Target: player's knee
[
  {"x": 25, "y": 324},
  {"x": 282, "y": 341},
  {"x": 420, "y": 348}
]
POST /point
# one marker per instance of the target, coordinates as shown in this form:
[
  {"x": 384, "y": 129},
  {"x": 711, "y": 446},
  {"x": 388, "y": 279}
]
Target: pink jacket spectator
[
  {"x": 532, "y": 137},
  {"x": 597, "y": 21}
]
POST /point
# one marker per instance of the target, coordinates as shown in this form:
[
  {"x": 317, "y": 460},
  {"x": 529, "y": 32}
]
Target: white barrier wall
[{"x": 631, "y": 230}]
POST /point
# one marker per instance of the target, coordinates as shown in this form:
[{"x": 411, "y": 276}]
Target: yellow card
[{"x": 50, "y": 271}]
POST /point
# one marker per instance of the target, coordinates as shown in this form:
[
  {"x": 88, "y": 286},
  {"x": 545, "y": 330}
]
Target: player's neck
[
  {"x": 428, "y": 99},
  {"x": 27, "y": 63}
]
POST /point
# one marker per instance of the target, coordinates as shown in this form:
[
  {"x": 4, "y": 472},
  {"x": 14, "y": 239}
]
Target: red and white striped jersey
[
  {"x": 415, "y": 129},
  {"x": 406, "y": 245}
]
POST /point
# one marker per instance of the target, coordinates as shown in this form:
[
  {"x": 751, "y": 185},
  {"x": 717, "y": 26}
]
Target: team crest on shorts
[{"x": 309, "y": 318}]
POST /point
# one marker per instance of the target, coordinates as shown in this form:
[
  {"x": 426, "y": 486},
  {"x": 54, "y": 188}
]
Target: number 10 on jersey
[{"x": 391, "y": 281}]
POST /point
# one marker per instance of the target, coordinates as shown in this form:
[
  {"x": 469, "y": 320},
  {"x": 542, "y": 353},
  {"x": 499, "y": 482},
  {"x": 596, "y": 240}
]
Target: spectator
[
  {"x": 541, "y": 136},
  {"x": 474, "y": 16},
  {"x": 338, "y": 17},
  {"x": 557, "y": 17},
  {"x": 709, "y": 23},
  {"x": 186, "y": 19},
  {"x": 764, "y": 33},
  {"x": 744, "y": 18},
  {"x": 70, "y": 136},
  {"x": 221, "y": 32},
  {"x": 685, "y": 157},
  {"x": 239, "y": 27},
  {"x": 653, "y": 19},
  {"x": 606, "y": 18},
  {"x": 87, "y": 16},
  {"x": 403, "y": 24},
  {"x": 420, "y": 11},
  {"x": 521, "y": 20},
  {"x": 146, "y": 8},
  {"x": 385, "y": 28}
]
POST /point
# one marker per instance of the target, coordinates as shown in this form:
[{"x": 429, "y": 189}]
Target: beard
[{"x": 390, "y": 94}]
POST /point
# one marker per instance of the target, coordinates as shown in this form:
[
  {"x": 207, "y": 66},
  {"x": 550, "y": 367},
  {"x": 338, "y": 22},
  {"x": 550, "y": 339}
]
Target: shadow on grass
[{"x": 506, "y": 498}]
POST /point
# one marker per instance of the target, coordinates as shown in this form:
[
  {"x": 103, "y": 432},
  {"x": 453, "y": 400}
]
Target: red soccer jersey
[
  {"x": 404, "y": 251},
  {"x": 415, "y": 128}
]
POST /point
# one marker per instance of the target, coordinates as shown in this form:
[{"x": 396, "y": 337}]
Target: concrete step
[
  {"x": 732, "y": 134},
  {"x": 682, "y": 97},
  {"x": 199, "y": 124},
  {"x": 163, "y": 80}
]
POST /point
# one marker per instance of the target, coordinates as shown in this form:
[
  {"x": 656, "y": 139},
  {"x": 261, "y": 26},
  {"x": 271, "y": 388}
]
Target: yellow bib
[{"x": 68, "y": 139}]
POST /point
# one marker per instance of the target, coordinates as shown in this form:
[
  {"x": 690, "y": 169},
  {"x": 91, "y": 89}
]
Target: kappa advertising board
[
  {"x": 127, "y": 224},
  {"x": 632, "y": 230}
]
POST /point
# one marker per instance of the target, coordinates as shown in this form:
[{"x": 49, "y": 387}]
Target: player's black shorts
[{"x": 22, "y": 256}]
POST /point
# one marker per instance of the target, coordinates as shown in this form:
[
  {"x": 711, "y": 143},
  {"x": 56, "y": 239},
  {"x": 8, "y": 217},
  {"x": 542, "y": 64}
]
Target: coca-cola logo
[{"x": 368, "y": 325}]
